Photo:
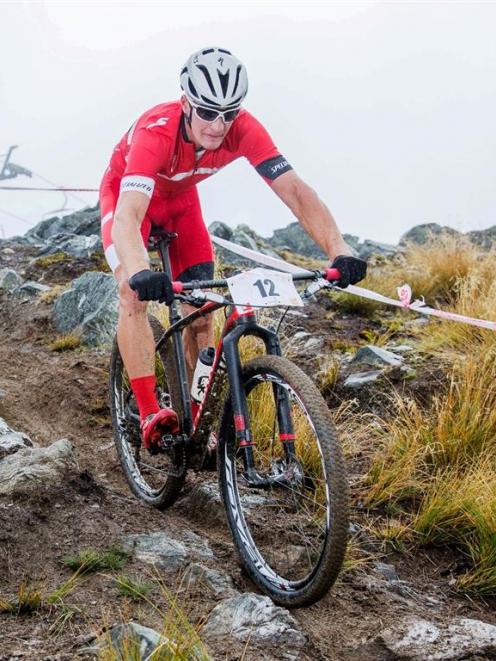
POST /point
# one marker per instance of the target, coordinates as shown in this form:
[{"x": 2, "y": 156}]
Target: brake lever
[{"x": 309, "y": 293}]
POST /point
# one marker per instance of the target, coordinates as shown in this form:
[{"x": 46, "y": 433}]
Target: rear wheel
[
  {"x": 289, "y": 514},
  {"x": 157, "y": 479}
]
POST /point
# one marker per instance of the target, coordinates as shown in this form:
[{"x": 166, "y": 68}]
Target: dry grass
[
  {"x": 65, "y": 343},
  {"x": 440, "y": 463}
]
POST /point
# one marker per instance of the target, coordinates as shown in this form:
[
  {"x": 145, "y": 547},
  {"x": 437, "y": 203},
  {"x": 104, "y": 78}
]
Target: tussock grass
[
  {"x": 134, "y": 589},
  {"x": 91, "y": 560},
  {"x": 442, "y": 461},
  {"x": 65, "y": 343},
  {"x": 53, "y": 293}
]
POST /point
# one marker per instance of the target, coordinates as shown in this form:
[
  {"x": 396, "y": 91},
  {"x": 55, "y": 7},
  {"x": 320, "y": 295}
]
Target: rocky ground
[{"x": 394, "y": 605}]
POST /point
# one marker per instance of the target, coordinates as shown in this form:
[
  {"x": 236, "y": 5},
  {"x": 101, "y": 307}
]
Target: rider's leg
[{"x": 136, "y": 345}]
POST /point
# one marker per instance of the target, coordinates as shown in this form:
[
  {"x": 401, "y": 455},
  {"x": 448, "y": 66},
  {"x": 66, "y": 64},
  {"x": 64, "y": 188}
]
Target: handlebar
[{"x": 329, "y": 274}]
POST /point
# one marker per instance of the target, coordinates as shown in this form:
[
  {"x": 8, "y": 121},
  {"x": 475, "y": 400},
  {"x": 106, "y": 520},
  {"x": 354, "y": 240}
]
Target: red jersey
[{"x": 156, "y": 157}]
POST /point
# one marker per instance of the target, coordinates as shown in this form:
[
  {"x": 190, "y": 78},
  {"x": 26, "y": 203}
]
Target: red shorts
[{"x": 179, "y": 213}]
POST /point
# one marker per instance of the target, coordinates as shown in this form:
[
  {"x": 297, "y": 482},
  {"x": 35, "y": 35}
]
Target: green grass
[
  {"x": 134, "y": 589},
  {"x": 91, "y": 560}
]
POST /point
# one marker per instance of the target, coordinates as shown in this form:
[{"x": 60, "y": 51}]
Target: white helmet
[{"x": 215, "y": 79}]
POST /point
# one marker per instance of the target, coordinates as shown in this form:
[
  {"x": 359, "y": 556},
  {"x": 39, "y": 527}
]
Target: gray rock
[
  {"x": 387, "y": 571},
  {"x": 401, "y": 348},
  {"x": 243, "y": 239},
  {"x": 371, "y": 355},
  {"x": 85, "y": 222},
  {"x": 294, "y": 238},
  {"x": 135, "y": 641},
  {"x": 220, "y": 584},
  {"x": 35, "y": 468},
  {"x": 360, "y": 379},
  {"x": 73, "y": 244},
  {"x": 204, "y": 501},
  {"x": 89, "y": 307},
  {"x": 252, "y": 617},
  {"x": 314, "y": 344},
  {"x": 369, "y": 248},
  {"x": 30, "y": 289},
  {"x": 13, "y": 441},
  {"x": 166, "y": 552},
  {"x": 426, "y": 232},
  {"x": 221, "y": 230},
  {"x": 425, "y": 641},
  {"x": 9, "y": 279}
]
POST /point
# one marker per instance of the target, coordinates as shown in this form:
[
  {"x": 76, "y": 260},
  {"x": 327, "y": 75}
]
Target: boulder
[
  {"x": 418, "y": 639},
  {"x": 132, "y": 640},
  {"x": 360, "y": 379},
  {"x": 89, "y": 308},
  {"x": 372, "y": 355},
  {"x": 166, "y": 552},
  {"x": 73, "y": 244},
  {"x": 221, "y": 230},
  {"x": 36, "y": 468},
  {"x": 85, "y": 222},
  {"x": 30, "y": 289},
  {"x": 9, "y": 279},
  {"x": 220, "y": 584},
  {"x": 294, "y": 238},
  {"x": 11, "y": 441},
  {"x": 255, "y": 618},
  {"x": 424, "y": 233}
]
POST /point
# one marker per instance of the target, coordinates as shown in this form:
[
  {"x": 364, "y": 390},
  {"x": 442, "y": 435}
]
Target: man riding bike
[{"x": 151, "y": 181}]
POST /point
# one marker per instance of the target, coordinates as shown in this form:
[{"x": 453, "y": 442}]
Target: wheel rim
[{"x": 284, "y": 529}]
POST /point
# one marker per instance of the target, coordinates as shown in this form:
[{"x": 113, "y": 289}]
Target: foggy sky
[{"x": 386, "y": 109}]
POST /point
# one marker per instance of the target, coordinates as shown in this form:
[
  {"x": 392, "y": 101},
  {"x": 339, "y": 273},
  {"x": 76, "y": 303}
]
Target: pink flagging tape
[
  {"x": 405, "y": 296},
  {"x": 404, "y": 292}
]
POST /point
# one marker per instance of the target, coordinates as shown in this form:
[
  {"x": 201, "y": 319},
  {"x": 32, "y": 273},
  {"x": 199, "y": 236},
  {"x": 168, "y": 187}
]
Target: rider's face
[{"x": 208, "y": 135}]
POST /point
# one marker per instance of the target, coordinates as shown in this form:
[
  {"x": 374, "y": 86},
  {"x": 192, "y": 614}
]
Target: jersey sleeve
[
  {"x": 149, "y": 148},
  {"x": 258, "y": 147}
]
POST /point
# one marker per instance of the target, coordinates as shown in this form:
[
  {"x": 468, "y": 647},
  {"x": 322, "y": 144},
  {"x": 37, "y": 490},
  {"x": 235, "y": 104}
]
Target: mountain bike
[{"x": 281, "y": 472}]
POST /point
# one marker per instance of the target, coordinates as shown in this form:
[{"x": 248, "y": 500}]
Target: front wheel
[{"x": 285, "y": 494}]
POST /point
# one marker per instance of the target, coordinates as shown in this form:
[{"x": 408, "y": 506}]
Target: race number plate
[{"x": 263, "y": 287}]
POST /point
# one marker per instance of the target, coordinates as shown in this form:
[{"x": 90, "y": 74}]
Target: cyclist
[{"x": 151, "y": 180}]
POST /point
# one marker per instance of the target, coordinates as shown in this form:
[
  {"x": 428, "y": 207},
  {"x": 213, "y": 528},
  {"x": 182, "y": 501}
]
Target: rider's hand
[
  {"x": 152, "y": 286},
  {"x": 352, "y": 269}
]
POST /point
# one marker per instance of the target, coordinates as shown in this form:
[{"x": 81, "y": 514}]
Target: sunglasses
[{"x": 208, "y": 115}]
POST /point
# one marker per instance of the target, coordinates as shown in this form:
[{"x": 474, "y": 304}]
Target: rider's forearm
[
  {"x": 128, "y": 243},
  {"x": 318, "y": 222}
]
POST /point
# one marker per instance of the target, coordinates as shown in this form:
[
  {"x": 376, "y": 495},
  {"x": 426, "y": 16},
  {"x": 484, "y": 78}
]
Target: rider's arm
[
  {"x": 313, "y": 215},
  {"x": 126, "y": 235}
]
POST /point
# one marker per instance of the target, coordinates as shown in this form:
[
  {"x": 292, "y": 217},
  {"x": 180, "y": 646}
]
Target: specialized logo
[
  {"x": 273, "y": 167},
  {"x": 161, "y": 121},
  {"x": 135, "y": 183}
]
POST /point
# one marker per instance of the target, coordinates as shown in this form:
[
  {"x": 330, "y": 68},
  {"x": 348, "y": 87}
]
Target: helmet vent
[
  {"x": 206, "y": 73},
  {"x": 238, "y": 71},
  {"x": 192, "y": 89},
  {"x": 224, "y": 81}
]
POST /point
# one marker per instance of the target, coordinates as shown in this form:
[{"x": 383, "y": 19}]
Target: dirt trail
[{"x": 50, "y": 396}]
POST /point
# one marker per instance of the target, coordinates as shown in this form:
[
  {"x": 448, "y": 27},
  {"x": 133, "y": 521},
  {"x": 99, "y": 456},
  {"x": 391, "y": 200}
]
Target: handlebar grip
[
  {"x": 332, "y": 274},
  {"x": 177, "y": 287}
]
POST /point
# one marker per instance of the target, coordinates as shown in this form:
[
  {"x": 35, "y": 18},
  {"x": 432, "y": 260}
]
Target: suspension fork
[{"x": 239, "y": 404}]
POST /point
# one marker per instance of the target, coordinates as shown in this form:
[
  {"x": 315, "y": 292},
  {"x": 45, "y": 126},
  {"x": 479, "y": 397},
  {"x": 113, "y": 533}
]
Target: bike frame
[{"x": 240, "y": 322}]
